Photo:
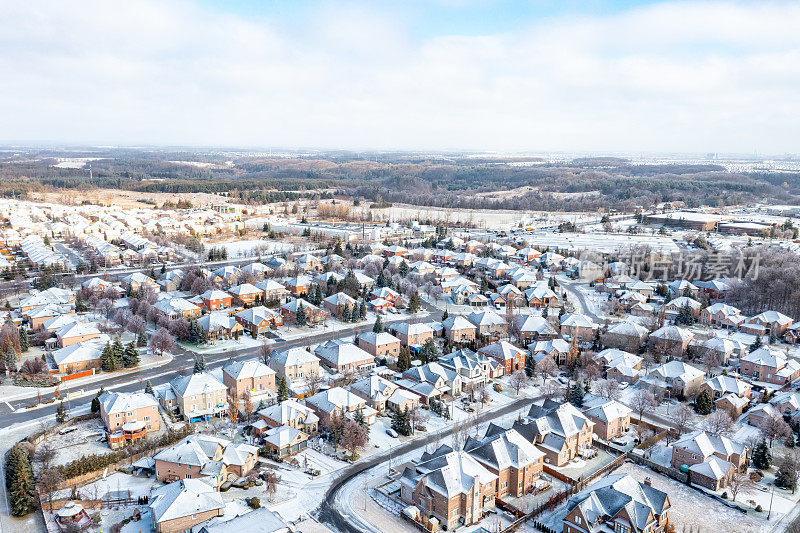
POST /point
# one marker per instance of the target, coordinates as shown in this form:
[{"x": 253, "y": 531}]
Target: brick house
[
  {"x": 288, "y": 413},
  {"x": 181, "y": 505},
  {"x": 248, "y": 378},
  {"x": 508, "y": 355},
  {"x": 769, "y": 365},
  {"x": 412, "y": 334},
  {"x": 617, "y": 503},
  {"x": 215, "y": 299},
  {"x": 712, "y": 459},
  {"x": 450, "y": 486},
  {"x": 245, "y": 294},
  {"x": 128, "y": 416},
  {"x": 258, "y": 320},
  {"x": 560, "y": 431},
  {"x": 204, "y": 456},
  {"x": 76, "y": 332},
  {"x": 380, "y": 345},
  {"x": 295, "y": 363},
  {"x": 314, "y": 314},
  {"x": 344, "y": 357},
  {"x": 458, "y": 329},
  {"x": 578, "y": 326},
  {"x": 516, "y": 462},
  {"x": 611, "y": 418}
]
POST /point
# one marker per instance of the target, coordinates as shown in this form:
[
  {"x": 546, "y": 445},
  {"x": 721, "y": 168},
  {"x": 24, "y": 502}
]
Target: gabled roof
[
  {"x": 706, "y": 444},
  {"x": 184, "y": 498},
  {"x": 120, "y": 402},
  {"x": 200, "y": 383},
  {"x": 246, "y": 369},
  {"x": 340, "y": 354},
  {"x": 288, "y": 410},
  {"x": 294, "y": 356}
]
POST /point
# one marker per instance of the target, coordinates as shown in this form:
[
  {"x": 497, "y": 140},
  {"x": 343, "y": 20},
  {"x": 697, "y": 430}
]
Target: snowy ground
[
  {"x": 119, "y": 482},
  {"x": 690, "y": 508},
  {"x": 252, "y": 248}
]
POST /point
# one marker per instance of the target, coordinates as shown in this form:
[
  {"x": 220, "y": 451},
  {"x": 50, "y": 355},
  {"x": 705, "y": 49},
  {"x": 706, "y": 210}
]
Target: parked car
[{"x": 392, "y": 433}]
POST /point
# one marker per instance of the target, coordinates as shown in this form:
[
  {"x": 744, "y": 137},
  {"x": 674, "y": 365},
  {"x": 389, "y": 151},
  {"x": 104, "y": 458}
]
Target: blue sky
[
  {"x": 499, "y": 75},
  {"x": 434, "y": 18}
]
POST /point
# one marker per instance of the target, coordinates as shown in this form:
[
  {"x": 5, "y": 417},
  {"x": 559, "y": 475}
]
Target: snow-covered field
[{"x": 252, "y": 248}]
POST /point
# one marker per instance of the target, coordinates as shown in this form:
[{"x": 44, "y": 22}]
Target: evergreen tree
[
  {"x": 117, "y": 351},
  {"x": 301, "y": 315},
  {"x": 20, "y": 482},
  {"x": 193, "y": 332},
  {"x": 283, "y": 390},
  {"x": 96, "y": 401},
  {"x": 786, "y": 478},
  {"x": 130, "y": 357},
  {"x": 362, "y": 309},
  {"x": 576, "y": 394},
  {"x": 141, "y": 339},
  {"x": 530, "y": 366},
  {"x": 61, "y": 413},
  {"x": 401, "y": 422},
  {"x": 445, "y": 315},
  {"x": 24, "y": 342},
  {"x": 107, "y": 361},
  {"x": 404, "y": 359},
  {"x": 544, "y": 312},
  {"x": 378, "y": 327},
  {"x": 756, "y": 345},
  {"x": 596, "y": 341},
  {"x": 148, "y": 388},
  {"x": 762, "y": 458},
  {"x": 403, "y": 269},
  {"x": 430, "y": 352},
  {"x": 414, "y": 302},
  {"x": 703, "y": 405},
  {"x": 199, "y": 364}
]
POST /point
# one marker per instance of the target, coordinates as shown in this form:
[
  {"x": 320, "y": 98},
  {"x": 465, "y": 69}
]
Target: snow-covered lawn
[{"x": 117, "y": 482}]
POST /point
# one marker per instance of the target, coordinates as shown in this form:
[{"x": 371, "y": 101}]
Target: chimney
[{"x": 648, "y": 482}]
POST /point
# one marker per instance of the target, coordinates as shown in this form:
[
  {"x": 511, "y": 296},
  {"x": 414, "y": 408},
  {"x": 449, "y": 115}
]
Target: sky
[{"x": 491, "y": 75}]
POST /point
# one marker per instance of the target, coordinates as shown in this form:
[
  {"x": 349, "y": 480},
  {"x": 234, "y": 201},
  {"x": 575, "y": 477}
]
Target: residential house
[
  {"x": 248, "y": 379},
  {"x": 314, "y": 314},
  {"x": 295, "y": 363},
  {"x": 670, "y": 341},
  {"x": 288, "y": 413},
  {"x": 677, "y": 377},
  {"x": 530, "y": 328},
  {"x": 508, "y": 355},
  {"x": 611, "y": 418},
  {"x": 80, "y": 356},
  {"x": 336, "y": 402},
  {"x": 617, "y": 503},
  {"x": 715, "y": 314},
  {"x": 578, "y": 326},
  {"x": 219, "y": 325},
  {"x": 258, "y": 320},
  {"x": 458, "y": 329},
  {"x": 182, "y": 504},
  {"x": 206, "y": 457},
  {"x": 173, "y": 308},
  {"x": 560, "y": 431},
  {"x": 448, "y": 487},
  {"x": 488, "y": 324},
  {"x": 195, "y": 397},
  {"x": 215, "y": 299},
  {"x": 412, "y": 334},
  {"x": 558, "y": 349},
  {"x": 775, "y": 323},
  {"x": 76, "y": 332},
  {"x": 444, "y": 380},
  {"x": 515, "y": 461},
  {"x": 245, "y": 294},
  {"x": 344, "y": 357},
  {"x": 338, "y": 304},
  {"x": 128, "y": 416},
  {"x": 768, "y": 365},
  {"x": 711, "y": 459},
  {"x": 381, "y": 345},
  {"x": 284, "y": 441}
]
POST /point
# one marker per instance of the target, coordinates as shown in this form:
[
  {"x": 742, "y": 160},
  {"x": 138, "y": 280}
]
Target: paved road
[
  {"x": 585, "y": 308},
  {"x": 337, "y": 519}
]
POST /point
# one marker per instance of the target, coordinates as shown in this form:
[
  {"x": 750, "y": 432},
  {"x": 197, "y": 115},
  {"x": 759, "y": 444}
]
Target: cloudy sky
[{"x": 513, "y": 75}]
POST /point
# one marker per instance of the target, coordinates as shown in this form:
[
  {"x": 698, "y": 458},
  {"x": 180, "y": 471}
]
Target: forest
[{"x": 444, "y": 180}]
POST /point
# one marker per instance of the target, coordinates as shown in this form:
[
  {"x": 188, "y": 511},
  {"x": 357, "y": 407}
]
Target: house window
[
  {"x": 578, "y": 520},
  {"x": 620, "y": 529}
]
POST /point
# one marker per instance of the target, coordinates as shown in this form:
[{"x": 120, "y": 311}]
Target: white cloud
[{"x": 670, "y": 77}]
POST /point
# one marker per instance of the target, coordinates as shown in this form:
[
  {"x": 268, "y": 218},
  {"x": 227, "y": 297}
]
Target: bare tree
[
  {"x": 643, "y": 400},
  {"x": 546, "y": 367},
  {"x": 719, "y": 423},
  {"x": 271, "y": 480},
  {"x": 44, "y": 454},
  {"x": 774, "y": 427},
  {"x": 48, "y": 482},
  {"x": 233, "y": 413},
  {"x": 162, "y": 341},
  {"x": 551, "y": 389},
  {"x": 314, "y": 382},
  {"x": 710, "y": 359},
  {"x": 265, "y": 350},
  {"x": 460, "y": 434},
  {"x": 740, "y": 482},
  {"x": 682, "y": 416},
  {"x": 354, "y": 436},
  {"x": 608, "y": 388},
  {"x": 418, "y": 418},
  {"x": 519, "y": 380}
]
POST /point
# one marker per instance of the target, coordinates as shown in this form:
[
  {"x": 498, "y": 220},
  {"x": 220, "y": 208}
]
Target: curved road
[{"x": 329, "y": 512}]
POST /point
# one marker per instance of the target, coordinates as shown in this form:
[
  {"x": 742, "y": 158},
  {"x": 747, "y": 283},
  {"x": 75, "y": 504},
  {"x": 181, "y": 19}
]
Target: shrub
[
  {"x": 759, "y": 509},
  {"x": 253, "y": 502},
  {"x": 725, "y": 495}
]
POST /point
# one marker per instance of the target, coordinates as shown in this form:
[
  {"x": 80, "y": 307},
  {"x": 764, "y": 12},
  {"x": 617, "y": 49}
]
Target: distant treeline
[{"x": 452, "y": 182}]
